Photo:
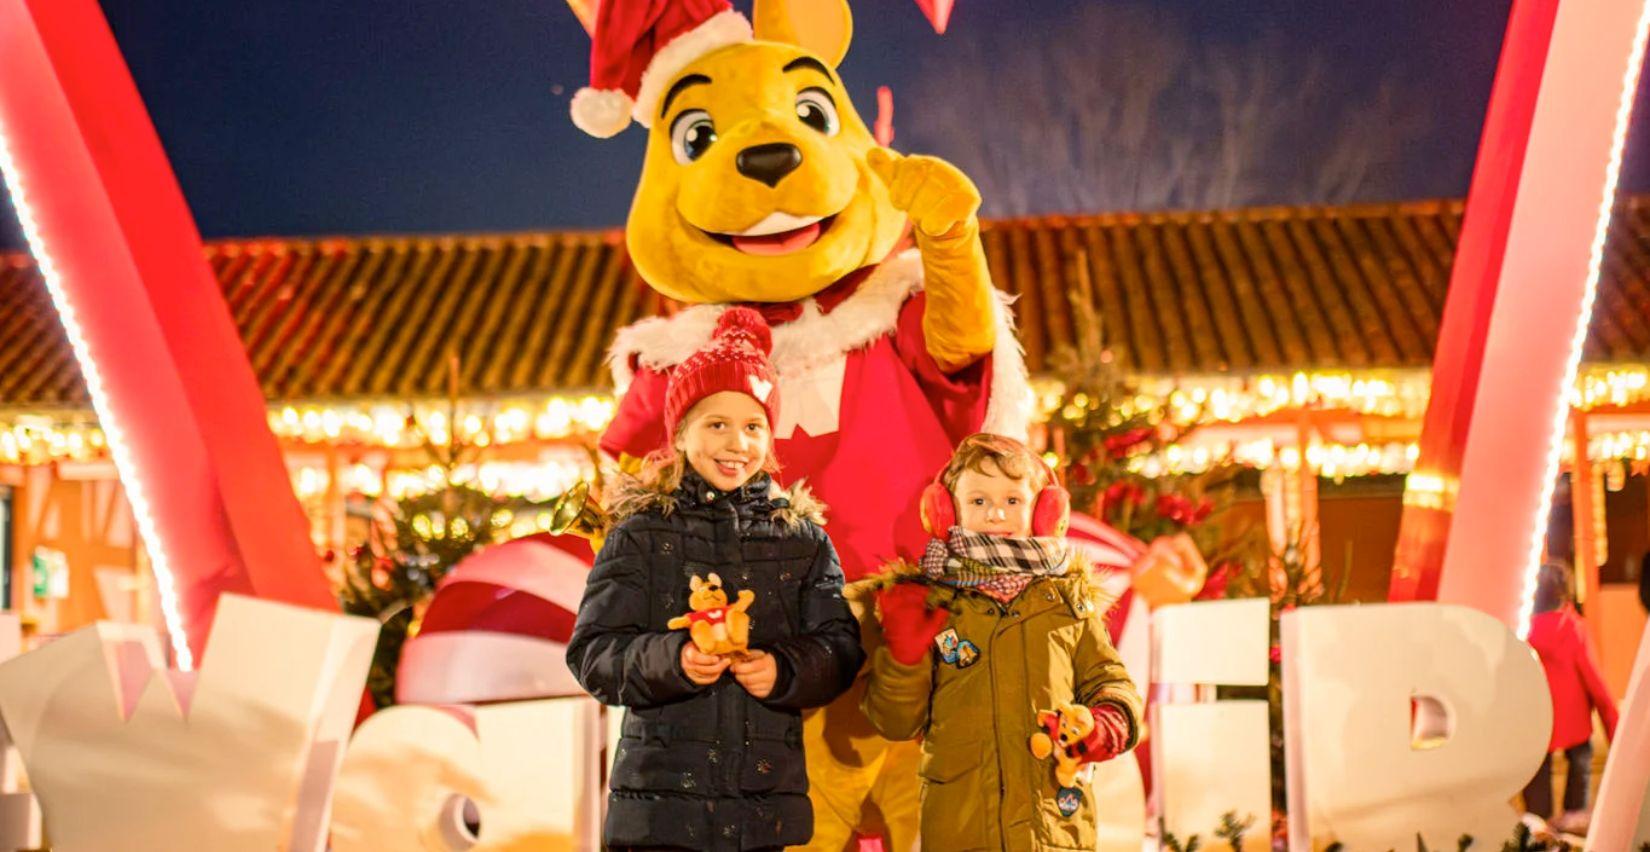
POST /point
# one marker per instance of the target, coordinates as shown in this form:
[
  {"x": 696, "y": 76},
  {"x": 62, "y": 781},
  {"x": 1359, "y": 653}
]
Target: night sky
[{"x": 298, "y": 117}]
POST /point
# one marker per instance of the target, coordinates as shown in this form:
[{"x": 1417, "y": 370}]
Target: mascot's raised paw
[{"x": 935, "y": 194}]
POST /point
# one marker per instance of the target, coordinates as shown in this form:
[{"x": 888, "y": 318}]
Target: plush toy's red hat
[
  {"x": 736, "y": 359},
  {"x": 638, "y": 47}
]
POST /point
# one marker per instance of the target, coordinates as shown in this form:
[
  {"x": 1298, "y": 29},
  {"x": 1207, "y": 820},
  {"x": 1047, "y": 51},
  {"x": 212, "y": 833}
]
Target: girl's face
[
  {"x": 725, "y": 438},
  {"x": 990, "y": 502}
]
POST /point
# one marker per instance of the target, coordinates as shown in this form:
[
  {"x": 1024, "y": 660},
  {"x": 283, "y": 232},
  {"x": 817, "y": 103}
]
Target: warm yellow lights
[
  {"x": 1401, "y": 395},
  {"x": 537, "y": 480},
  {"x": 1335, "y": 461},
  {"x": 1431, "y": 491},
  {"x": 483, "y": 423},
  {"x": 1232, "y": 399}
]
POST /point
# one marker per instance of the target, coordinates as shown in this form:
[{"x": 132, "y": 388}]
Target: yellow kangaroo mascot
[{"x": 762, "y": 186}]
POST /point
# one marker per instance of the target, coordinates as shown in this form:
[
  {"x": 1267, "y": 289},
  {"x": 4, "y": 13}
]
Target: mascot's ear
[{"x": 821, "y": 27}]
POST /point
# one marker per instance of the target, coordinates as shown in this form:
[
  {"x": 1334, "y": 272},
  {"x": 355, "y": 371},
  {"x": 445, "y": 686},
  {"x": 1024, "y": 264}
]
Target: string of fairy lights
[
  {"x": 110, "y": 442},
  {"x": 1394, "y": 401}
]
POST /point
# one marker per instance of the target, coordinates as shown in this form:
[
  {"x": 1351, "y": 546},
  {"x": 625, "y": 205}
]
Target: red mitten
[
  {"x": 908, "y": 625},
  {"x": 1109, "y": 737}
]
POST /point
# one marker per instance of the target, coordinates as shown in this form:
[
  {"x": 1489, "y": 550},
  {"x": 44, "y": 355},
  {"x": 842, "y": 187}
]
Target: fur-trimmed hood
[{"x": 791, "y": 506}]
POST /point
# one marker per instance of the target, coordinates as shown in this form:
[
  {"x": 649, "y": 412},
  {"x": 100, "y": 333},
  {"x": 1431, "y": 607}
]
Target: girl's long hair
[
  {"x": 662, "y": 470},
  {"x": 1552, "y": 587}
]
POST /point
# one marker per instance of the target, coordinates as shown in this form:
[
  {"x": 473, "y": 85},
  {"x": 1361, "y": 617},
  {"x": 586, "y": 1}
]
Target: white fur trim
[
  {"x": 1008, "y": 410},
  {"x": 601, "y": 112},
  {"x": 815, "y": 338},
  {"x": 474, "y": 665},
  {"x": 719, "y": 30}
]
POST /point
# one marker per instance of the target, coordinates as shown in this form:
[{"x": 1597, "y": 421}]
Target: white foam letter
[
  {"x": 1622, "y": 818},
  {"x": 1407, "y": 718},
  {"x": 1212, "y": 757},
  {"x": 241, "y": 756},
  {"x": 19, "y": 812}
]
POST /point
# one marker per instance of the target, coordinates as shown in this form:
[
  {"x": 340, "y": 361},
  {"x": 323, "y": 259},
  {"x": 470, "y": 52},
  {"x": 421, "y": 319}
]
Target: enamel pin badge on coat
[{"x": 955, "y": 650}]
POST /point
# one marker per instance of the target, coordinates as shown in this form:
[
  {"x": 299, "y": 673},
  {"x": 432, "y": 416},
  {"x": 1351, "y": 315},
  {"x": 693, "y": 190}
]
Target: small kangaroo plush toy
[
  {"x": 716, "y": 627},
  {"x": 1064, "y": 730}
]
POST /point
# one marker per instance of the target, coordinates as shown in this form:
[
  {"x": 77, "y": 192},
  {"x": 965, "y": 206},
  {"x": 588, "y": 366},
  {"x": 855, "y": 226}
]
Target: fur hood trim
[{"x": 631, "y": 496}]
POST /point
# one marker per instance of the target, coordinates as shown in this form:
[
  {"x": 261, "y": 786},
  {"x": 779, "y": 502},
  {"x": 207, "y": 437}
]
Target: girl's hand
[
  {"x": 757, "y": 673},
  {"x": 703, "y": 669}
]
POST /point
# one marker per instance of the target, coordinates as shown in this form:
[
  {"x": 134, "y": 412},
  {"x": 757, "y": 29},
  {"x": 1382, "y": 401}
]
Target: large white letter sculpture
[
  {"x": 411, "y": 769},
  {"x": 1621, "y": 820},
  {"x": 239, "y": 756},
  {"x": 19, "y": 812},
  {"x": 1212, "y": 757},
  {"x": 1355, "y": 681}
]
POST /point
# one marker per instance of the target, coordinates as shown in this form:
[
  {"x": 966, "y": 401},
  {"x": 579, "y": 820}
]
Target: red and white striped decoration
[{"x": 498, "y": 627}]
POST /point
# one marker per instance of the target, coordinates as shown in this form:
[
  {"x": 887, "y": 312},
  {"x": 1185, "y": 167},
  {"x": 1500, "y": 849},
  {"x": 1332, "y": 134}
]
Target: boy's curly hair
[{"x": 1010, "y": 458}]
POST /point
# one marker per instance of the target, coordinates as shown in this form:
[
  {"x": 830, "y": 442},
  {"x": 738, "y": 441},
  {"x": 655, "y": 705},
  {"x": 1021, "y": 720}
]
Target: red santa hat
[
  {"x": 498, "y": 625},
  {"x": 736, "y": 359},
  {"x": 638, "y": 47}
]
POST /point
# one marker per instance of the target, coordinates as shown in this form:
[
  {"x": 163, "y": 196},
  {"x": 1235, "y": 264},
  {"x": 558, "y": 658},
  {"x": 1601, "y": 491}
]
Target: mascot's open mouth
[{"x": 778, "y": 233}]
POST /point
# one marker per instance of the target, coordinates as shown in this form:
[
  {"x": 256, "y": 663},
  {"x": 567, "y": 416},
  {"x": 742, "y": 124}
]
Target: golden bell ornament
[{"x": 574, "y": 512}]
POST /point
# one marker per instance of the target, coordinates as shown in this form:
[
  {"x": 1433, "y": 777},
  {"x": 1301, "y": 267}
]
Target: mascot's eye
[
  {"x": 815, "y": 108},
  {"x": 691, "y": 135}
]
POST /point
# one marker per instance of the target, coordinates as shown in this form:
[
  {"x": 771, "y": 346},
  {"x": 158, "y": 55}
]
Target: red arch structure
[
  {"x": 1520, "y": 297},
  {"x": 166, "y": 370}
]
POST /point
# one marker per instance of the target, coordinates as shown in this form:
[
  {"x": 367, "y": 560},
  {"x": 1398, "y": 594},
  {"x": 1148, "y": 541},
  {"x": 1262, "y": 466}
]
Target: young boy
[
  {"x": 998, "y": 623},
  {"x": 710, "y": 754}
]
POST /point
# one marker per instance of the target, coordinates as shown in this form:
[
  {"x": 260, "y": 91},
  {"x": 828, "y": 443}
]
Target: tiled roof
[
  {"x": 377, "y": 317},
  {"x": 1280, "y": 288},
  {"x": 1266, "y": 289}
]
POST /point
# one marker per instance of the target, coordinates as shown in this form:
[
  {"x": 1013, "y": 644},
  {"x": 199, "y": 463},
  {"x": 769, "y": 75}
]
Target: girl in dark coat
[{"x": 710, "y": 753}]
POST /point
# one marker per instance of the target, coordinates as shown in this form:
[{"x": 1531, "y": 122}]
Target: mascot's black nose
[{"x": 769, "y": 163}]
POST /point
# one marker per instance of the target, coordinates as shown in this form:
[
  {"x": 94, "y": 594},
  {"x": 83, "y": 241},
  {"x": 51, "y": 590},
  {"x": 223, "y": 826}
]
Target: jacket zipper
[{"x": 996, "y": 725}]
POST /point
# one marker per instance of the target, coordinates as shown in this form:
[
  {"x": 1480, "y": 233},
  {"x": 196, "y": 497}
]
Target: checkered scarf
[{"x": 996, "y": 566}]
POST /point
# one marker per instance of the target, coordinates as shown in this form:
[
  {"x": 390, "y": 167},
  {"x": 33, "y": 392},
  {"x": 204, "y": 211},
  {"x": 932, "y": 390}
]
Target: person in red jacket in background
[{"x": 1560, "y": 640}]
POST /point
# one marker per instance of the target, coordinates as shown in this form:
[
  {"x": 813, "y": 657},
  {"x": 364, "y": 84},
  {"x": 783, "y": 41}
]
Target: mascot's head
[{"x": 755, "y": 186}]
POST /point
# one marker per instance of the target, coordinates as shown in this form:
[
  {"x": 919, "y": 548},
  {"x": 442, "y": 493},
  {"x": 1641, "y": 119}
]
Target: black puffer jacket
[{"x": 711, "y": 767}]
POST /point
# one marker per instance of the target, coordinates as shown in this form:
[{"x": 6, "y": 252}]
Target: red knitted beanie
[{"x": 736, "y": 359}]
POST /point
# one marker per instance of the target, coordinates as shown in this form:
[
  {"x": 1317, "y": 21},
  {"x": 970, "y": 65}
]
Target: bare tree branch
[{"x": 1122, "y": 110}]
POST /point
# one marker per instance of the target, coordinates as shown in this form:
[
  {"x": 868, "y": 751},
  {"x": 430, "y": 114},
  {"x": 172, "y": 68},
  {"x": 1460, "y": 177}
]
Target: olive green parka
[{"x": 981, "y": 786}]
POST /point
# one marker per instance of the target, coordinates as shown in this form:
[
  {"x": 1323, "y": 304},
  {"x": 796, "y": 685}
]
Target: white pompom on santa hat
[{"x": 638, "y": 47}]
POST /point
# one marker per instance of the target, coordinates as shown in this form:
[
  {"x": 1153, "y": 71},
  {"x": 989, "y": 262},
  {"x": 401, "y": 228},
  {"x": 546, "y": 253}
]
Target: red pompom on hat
[
  {"x": 736, "y": 359},
  {"x": 638, "y": 47}
]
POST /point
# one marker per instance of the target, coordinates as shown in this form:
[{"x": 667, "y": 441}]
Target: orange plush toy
[
  {"x": 716, "y": 627},
  {"x": 1065, "y": 730}
]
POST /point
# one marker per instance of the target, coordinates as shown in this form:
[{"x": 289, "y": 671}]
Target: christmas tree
[
  {"x": 414, "y": 541},
  {"x": 1111, "y": 439}
]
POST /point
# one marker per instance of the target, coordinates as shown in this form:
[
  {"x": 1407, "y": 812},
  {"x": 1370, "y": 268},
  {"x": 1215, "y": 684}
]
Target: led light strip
[
  {"x": 1561, "y": 409},
  {"x": 136, "y": 492}
]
